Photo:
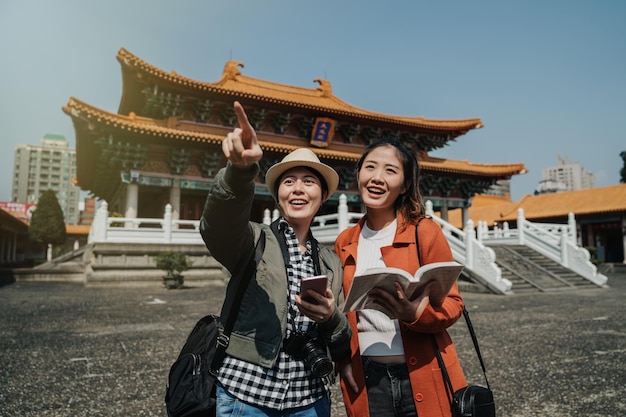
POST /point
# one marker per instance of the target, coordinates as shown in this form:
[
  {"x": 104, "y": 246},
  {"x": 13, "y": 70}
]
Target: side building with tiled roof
[
  {"x": 600, "y": 215},
  {"x": 163, "y": 145}
]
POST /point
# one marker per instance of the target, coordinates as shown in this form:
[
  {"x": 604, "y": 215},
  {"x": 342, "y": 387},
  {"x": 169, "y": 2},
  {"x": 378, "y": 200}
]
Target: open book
[{"x": 444, "y": 274}]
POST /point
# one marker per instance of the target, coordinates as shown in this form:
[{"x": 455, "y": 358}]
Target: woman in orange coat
[{"x": 393, "y": 370}]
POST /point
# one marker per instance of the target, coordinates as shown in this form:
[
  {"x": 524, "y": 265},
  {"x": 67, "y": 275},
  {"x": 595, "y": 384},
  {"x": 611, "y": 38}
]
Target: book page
[
  {"x": 385, "y": 278},
  {"x": 444, "y": 275}
]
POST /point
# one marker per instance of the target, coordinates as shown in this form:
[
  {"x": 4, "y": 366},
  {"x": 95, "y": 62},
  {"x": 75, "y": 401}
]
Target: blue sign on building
[{"x": 323, "y": 131}]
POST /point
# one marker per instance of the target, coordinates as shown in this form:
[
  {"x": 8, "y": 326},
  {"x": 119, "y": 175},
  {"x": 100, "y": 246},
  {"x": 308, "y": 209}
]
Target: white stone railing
[
  {"x": 326, "y": 227},
  {"x": 143, "y": 230},
  {"x": 556, "y": 241},
  {"x": 476, "y": 257}
]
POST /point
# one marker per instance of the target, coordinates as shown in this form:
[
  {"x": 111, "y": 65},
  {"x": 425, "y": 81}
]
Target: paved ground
[{"x": 66, "y": 350}]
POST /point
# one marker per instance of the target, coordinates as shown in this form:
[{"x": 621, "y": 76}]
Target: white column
[
  {"x": 175, "y": 201},
  {"x": 132, "y": 201},
  {"x": 464, "y": 215},
  {"x": 444, "y": 209}
]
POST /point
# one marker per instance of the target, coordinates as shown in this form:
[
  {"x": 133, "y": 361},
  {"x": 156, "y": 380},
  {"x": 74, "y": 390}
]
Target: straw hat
[{"x": 301, "y": 157}]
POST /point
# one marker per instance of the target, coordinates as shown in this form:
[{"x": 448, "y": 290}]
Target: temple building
[{"x": 164, "y": 143}]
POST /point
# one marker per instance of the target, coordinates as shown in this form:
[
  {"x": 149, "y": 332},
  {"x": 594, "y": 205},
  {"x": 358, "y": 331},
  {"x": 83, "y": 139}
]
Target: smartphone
[{"x": 317, "y": 283}]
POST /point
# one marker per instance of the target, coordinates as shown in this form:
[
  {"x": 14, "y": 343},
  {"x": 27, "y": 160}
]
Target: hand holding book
[{"x": 440, "y": 275}]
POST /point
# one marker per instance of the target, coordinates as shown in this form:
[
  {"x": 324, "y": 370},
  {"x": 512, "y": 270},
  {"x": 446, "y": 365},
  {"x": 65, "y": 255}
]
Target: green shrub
[{"x": 173, "y": 263}]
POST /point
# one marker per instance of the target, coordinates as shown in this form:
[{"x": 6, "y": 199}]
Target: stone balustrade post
[
  {"x": 564, "y": 240},
  {"x": 429, "y": 208},
  {"x": 470, "y": 238},
  {"x": 520, "y": 226},
  {"x": 571, "y": 226},
  {"x": 167, "y": 224},
  {"x": 266, "y": 217},
  {"x": 98, "y": 230},
  {"x": 342, "y": 213}
]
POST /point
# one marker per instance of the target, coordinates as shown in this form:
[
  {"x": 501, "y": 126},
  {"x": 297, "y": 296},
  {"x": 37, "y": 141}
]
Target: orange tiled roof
[
  {"x": 319, "y": 99},
  {"x": 466, "y": 167},
  {"x": 611, "y": 199},
  {"x": 163, "y": 128}
]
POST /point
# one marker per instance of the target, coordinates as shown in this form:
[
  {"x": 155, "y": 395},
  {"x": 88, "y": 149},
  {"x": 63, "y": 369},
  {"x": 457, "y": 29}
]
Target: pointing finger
[{"x": 242, "y": 118}]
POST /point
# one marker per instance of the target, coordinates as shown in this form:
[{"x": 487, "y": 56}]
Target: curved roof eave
[
  {"x": 320, "y": 99},
  {"x": 143, "y": 125}
]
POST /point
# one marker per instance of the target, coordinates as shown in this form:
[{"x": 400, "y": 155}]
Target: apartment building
[
  {"x": 51, "y": 165},
  {"x": 565, "y": 176}
]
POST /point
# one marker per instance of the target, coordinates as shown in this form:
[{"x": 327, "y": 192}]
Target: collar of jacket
[
  {"x": 280, "y": 236},
  {"x": 401, "y": 239}
]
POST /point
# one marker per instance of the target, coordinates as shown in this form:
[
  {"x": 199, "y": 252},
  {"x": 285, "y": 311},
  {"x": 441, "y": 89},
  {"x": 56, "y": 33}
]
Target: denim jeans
[
  {"x": 227, "y": 405},
  {"x": 388, "y": 389}
]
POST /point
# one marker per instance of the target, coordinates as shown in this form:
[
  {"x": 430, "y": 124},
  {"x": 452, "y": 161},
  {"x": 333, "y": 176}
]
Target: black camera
[{"x": 311, "y": 350}]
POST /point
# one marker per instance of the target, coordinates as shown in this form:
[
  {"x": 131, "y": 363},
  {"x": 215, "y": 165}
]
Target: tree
[
  {"x": 623, "y": 171},
  {"x": 46, "y": 224}
]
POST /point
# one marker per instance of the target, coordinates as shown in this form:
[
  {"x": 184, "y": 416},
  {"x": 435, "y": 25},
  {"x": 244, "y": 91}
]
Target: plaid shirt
[{"x": 289, "y": 383}]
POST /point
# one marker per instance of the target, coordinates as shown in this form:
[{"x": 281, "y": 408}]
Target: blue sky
[{"x": 546, "y": 77}]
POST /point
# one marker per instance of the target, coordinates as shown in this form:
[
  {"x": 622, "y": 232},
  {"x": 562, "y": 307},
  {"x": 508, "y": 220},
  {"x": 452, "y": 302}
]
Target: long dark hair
[{"x": 411, "y": 202}]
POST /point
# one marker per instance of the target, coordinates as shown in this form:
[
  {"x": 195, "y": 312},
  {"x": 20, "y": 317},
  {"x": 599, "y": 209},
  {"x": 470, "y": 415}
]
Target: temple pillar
[
  {"x": 132, "y": 201},
  {"x": 444, "y": 209},
  {"x": 464, "y": 217},
  {"x": 175, "y": 201}
]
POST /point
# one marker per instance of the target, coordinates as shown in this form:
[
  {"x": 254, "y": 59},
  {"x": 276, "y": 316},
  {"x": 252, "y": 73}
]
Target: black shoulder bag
[
  {"x": 191, "y": 384},
  {"x": 472, "y": 400}
]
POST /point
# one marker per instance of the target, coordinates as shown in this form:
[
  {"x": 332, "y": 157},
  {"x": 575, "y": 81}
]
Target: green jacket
[{"x": 228, "y": 234}]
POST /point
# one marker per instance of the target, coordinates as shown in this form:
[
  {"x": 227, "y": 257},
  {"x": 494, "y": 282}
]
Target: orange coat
[{"x": 429, "y": 393}]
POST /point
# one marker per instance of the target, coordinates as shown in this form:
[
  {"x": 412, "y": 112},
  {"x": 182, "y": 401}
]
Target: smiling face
[
  {"x": 381, "y": 181},
  {"x": 300, "y": 196}
]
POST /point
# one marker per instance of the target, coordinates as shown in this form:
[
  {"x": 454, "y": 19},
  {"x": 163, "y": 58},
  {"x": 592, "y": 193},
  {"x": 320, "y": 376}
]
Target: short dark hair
[{"x": 312, "y": 170}]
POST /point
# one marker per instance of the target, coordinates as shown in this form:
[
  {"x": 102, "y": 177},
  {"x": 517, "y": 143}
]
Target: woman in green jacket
[{"x": 279, "y": 359}]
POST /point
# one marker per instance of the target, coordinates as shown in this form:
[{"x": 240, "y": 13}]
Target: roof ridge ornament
[
  {"x": 325, "y": 87},
  {"x": 231, "y": 71}
]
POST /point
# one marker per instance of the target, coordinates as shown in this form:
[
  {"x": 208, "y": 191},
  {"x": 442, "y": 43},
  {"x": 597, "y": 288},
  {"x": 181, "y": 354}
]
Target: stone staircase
[{"x": 530, "y": 271}]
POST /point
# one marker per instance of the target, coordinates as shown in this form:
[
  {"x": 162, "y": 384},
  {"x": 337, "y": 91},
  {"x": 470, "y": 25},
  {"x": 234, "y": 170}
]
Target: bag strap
[
  {"x": 242, "y": 276},
  {"x": 442, "y": 365},
  {"x": 475, "y": 341},
  {"x": 444, "y": 371}
]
